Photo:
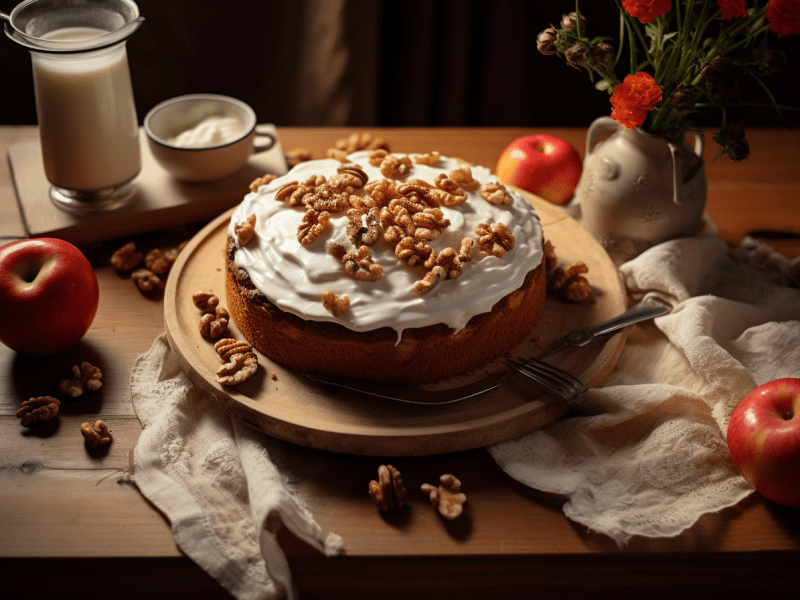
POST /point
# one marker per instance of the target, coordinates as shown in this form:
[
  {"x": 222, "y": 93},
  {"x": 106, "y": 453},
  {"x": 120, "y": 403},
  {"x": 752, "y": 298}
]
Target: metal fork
[{"x": 557, "y": 381}]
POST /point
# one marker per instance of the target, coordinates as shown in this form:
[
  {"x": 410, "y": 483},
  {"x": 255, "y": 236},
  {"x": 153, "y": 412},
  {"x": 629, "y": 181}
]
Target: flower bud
[
  {"x": 729, "y": 90},
  {"x": 776, "y": 61},
  {"x": 576, "y": 56},
  {"x": 682, "y": 99},
  {"x": 739, "y": 150},
  {"x": 715, "y": 70},
  {"x": 546, "y": 41},
  {"x": 599, "y": 53},
  {"x": 735, "y": 131},
  {"x": 569, "y": 21}
]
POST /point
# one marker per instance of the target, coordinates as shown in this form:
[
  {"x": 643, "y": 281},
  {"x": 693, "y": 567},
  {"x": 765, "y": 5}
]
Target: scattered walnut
[
  {"x": 227, "y": 347},
  {"x": 238, "y": 368},
  {"x": 257, "y": 183},
  {"x": 463, "y": 177},
  {"x": 312, "y": 226},
  {"x": 296, "y": 156},
  {"x": 430, "y": 159},
  {"x": 84, "y": 378},
  {"x": 355, "y": 171},
  {"x": 363, "y": 141},
  {"x": 357, "y": 263},
  {"x": 147, "y": 281},
  {"x": 550, "y": 258},
  {"x": 494, "y": 239},
  {"x": 160, "y": 262},
  {"x": 336, "y": 154},
  {"x": 447, "y": 497},
  {"x": 388, "y": 492},
  {"x": 126, "y": 258},
  {"x": 96, "y": 434},
  {"x": 334, "y": 304},
  {"x": 42, "y": 408},
  {"x": 570, "y": 282},
  {"x": 214, "y": 325},
  {"x": 415, "y": 253},
  {"x": 394, "y": 167},
  {"x": 430, "y": 281},
  {"x": 205, "y": 301},
  {"x": 246, "y": 230},
  {"x": 496, "y": 193}
]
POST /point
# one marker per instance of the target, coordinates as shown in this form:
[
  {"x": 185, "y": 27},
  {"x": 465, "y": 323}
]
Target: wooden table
[{"x": 70, "y": 525}]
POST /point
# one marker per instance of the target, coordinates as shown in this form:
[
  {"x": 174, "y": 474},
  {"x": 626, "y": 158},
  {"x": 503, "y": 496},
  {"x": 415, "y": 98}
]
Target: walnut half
[
  {"x": 447, "y": 497},
  {"x": 42, "y": 408},
  {"x": 388, "y": 492},
  {"x": 96, "y": 434},
  {"x": 84, "y": 378}
]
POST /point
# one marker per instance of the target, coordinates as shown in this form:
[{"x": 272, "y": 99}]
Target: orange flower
[
  {"x": 732, "y": 9},
  {"x": 784, "y": 16},
  {"x": 647, "y": 10},
  {"x": 633, "y": 98}
]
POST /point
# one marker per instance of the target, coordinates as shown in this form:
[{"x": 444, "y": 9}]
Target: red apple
[
  {"x": 764, "y": 440},
  {"x": 48, "y": 296},
  {"x": 543, "y": 164}
]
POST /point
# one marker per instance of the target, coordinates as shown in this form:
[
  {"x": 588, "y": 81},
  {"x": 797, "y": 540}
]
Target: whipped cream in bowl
[{"x": 293, "y": 275}]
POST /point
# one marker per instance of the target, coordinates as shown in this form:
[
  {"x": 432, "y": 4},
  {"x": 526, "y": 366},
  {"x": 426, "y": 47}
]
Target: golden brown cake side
[{"x": 425, "y": 354}]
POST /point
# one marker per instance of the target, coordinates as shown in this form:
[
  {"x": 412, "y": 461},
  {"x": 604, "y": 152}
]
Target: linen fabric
[
  {"x": 216, "y": 482},
  {"x": 647, "y": 453}
]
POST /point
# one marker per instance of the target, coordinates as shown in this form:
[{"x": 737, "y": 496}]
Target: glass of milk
[{"x": 84, "y": 99}]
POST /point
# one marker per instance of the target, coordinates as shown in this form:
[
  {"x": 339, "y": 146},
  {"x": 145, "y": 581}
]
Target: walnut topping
[
  {"x": 375, "y": 158},
  {"x": 334, "y": 304},
  {"x": 363, "y": 231},
  {"x": 429, "y": 224},
  {"x": 160, "y": 262},
  {"x": 550, "y": 258},
  {"x": 86, "y": 377},
  {"x": 214, "y": 325},
  {"x": 147, "y": 281},
  {"x": 465, "y": 255},
  {"x": 285, "y": 192},
  {"x": 387, "y": 492},
  {"x": 496, "y": 193},
  {"x": 246, "y": 230},
  {"x": 412, "y": 202},
  {"x": 227, "y": 347},
  {"x": 257, "y": 183},
  {"x": 96, "y": 434},
  {"x": 238, "y": 368},
  {"x": 126, "y": 258},
  {"x": 396, "y": 223},
  {"x": 430, "y": 281},
  {"x": 430, "y": 159},
  {"x": 323, "y": 198},
  {"x": 447, "y": 497},
  {"x": 357, "y": 263},
  {"x": 393, "y": 167},
  {"x": 296, "y": 156},
  {"x": 415, "y": 253},
  {"x": 463, "y": 177},
  {"x": 42, "y": 408},
  {"x": 443, "y": 182},
  {"x": 450, "y": 262},
  {"x": 494, "y": 239},
  {"x": 351, "y": 169},
  {"x": 381, "y": 191},
  {"x": 205, "y": 301},
  {"x": 336, "y": 154},
  {"x": 312, "y": 226}
]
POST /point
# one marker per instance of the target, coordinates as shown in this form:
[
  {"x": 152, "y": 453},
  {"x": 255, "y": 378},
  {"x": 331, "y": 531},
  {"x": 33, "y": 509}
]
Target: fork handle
[{"x": 634, "y": 315}]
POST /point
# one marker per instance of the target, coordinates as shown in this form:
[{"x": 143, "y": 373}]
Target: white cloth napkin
[
  {"x": 646, "y": 454},
  {"x": 216, "y": 482}
]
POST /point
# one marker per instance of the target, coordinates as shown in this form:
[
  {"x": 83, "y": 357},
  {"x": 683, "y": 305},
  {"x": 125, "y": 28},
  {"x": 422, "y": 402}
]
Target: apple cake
[{"x": 386, "y": 267}]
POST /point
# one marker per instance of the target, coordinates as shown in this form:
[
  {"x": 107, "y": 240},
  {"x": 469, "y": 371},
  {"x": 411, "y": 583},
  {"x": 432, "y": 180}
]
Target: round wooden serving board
[{"x": 284, "y": 404}]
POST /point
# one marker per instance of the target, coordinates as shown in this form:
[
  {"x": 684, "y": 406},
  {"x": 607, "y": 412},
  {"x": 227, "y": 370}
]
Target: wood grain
[{"x": 296, "y": 410}]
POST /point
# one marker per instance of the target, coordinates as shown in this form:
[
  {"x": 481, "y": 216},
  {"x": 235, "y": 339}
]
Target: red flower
[
  {"x": 784, "y": 16},
  {"x": 647, "y": 10},
  {"x": 732, "y": 9},
  {"x": 633, "y": 98}
]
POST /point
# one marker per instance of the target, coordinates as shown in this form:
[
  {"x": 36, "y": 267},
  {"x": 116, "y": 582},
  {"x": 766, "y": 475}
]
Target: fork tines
[{"x": 565, "y": 385}]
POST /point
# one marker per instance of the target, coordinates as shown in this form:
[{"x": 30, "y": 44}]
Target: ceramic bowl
[{"x": 199, "y": 164}]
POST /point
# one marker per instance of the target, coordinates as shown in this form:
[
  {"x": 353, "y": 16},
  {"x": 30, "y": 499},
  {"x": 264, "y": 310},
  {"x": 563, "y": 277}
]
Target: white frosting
[{"x": 293, "y": 276}]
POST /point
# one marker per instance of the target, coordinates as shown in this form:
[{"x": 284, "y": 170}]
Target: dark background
[{"x": 404, "y": 63}]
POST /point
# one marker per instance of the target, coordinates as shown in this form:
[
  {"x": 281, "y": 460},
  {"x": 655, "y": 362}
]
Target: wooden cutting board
[
  {"x": 161, "y": 200},
  {"x": 285, "y": 404}
]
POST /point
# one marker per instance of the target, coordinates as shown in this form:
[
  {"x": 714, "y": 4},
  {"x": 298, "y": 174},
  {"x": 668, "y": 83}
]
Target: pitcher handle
[{"x": 598, "y": 126}]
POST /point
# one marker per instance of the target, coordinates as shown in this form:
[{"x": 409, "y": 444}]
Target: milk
[{"x": 87, "y": 117}]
